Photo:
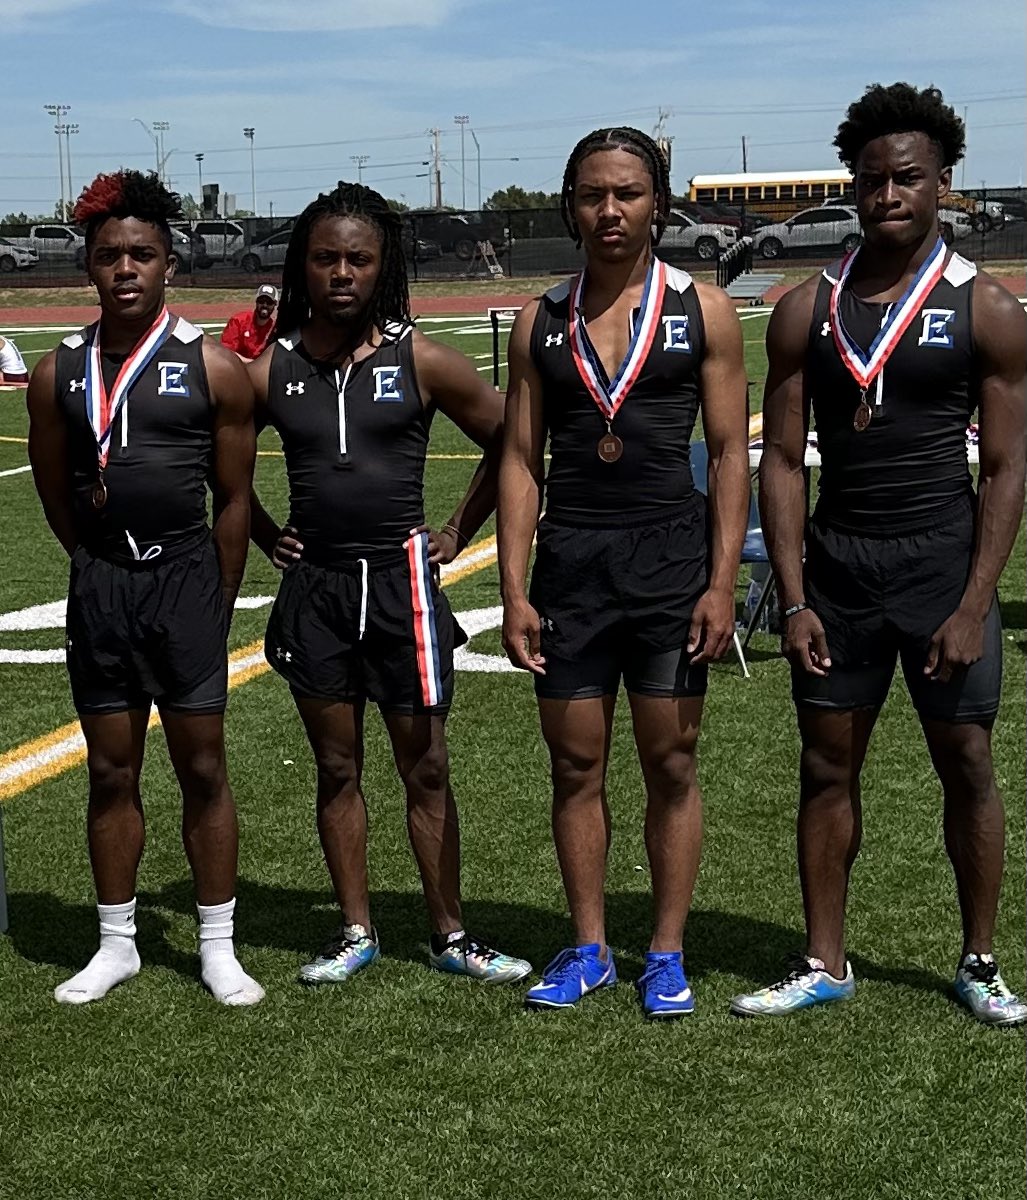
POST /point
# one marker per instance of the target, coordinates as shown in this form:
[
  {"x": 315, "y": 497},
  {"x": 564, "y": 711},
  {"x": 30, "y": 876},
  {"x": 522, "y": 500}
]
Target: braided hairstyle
[
  {"x": 391, "y": 299},
  {"x": 901, "y": 108},
  {"x": 634, "y": 141},
  {"x": 127, "y": 194}
]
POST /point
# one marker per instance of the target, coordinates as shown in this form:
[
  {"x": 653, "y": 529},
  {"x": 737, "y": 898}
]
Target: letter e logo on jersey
[
  {"x": 172, "y": 379},
  {"x": 554, "y": 339},
  {"x": 675, "y": 334},
  {"x": 935, "y": 330},
  {"x": 387, "y": 385}
]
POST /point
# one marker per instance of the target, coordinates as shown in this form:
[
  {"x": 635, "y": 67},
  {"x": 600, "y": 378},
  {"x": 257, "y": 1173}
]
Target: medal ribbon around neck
[
  {"x": 101, "y": 408},
  {"x": 865, "y": 368},
  {"x": 610, "y": 398}
]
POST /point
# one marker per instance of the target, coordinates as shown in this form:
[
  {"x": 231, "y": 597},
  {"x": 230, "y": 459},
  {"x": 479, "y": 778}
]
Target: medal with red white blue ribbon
[
  {"x": 101, "y": 408},
  {"x": 866, "y": 367},
  {"x": 609, "y": 396}
]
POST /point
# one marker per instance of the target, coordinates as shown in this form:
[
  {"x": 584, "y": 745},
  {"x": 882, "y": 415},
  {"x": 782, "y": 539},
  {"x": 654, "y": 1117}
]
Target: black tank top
[
  {"x": 652, "y": 481},
  {"x": 355, "y": 442},
  {"x": 160, "y": 449},
  {"x": 908, "y": 470}
]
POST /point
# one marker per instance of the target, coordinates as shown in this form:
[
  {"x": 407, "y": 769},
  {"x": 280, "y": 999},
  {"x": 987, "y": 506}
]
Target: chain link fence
[{"x": 985, "y": 225}]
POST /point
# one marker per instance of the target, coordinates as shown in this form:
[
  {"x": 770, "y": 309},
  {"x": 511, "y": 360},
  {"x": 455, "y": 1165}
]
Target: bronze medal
[
  {"x": 610, "y": 447},
  {"x": 862, "y": 418},
  {"x": 99, "y": 494}
]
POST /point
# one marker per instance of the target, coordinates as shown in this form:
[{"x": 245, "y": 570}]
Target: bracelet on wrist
[
  {"x": 456, "y": 533},
  {"x": 796, "y": 608}
]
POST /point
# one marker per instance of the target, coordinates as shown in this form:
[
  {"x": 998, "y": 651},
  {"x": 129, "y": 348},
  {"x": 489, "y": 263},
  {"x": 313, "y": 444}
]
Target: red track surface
[{"x": 422, "y": 306}]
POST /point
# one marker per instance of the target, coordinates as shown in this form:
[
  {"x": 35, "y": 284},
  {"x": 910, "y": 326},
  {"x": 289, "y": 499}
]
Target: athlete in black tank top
[
  {"x": 894, "y": 349},
  {"x": 351, "y": 387},
  {"x": 626, "y": 585},
  {"x": 128, "y": 421}
]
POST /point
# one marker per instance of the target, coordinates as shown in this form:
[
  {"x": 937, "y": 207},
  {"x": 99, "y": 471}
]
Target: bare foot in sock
[
  {"x": 223, "y": 975},
  {"x": 115, "y": 961}
]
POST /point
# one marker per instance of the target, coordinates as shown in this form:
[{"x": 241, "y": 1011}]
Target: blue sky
[{"x": 323, "y": 80}]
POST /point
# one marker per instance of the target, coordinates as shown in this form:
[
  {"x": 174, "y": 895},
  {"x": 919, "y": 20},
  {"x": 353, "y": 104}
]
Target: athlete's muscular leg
[
  {"x": 114, "y": 820},
  {"x": 974, "y": 823},
  {"x": 422, "y": 759},
  {"x": 666, "y": 732},
  {"x": 336, "y": 734},
  {"x": 830, "y": 824},
  {"x": 210, "y": 830},
  {"x": 577, "y": 733}
]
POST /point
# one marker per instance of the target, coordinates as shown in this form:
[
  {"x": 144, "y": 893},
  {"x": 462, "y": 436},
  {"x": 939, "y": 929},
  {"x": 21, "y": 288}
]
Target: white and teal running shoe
[
  {"x": 468, "y": 955},
  {"x": 982, "y": 989},
  {"x": 352, "y": 949},
  {"x": 805, "y": 984}
]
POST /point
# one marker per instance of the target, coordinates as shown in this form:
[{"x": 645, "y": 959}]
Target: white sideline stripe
[{"x": 14, "y": 471}]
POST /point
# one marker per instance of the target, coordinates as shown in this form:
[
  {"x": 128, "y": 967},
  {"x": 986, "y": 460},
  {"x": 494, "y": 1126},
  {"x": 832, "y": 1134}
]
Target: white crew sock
[
  {"x": 115, "y": 961},
  {"x": 219, "y": 968}
]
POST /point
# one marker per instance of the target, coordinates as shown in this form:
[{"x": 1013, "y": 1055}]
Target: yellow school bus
[{"x": 799, "y": 188}]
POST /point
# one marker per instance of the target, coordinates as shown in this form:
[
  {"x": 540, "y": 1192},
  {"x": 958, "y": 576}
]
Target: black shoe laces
[
  {"x": 471, "y": 947},
  {"x": 339, "y": 945},
  {"x": 985, "y": 973},
  {"x": 799, "y": 968}
]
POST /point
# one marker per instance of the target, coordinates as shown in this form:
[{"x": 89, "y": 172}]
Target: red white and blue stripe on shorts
[{"x": 426, "y": 636}]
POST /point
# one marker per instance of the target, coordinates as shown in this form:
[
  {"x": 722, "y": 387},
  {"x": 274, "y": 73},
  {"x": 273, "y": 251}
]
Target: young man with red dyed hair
[{"x": 129, "y": 418}]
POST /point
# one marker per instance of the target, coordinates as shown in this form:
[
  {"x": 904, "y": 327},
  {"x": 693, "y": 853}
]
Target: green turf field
[{"x": 405, "y": 1083}]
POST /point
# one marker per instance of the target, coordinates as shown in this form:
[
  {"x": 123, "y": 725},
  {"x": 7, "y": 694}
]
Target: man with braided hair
[
  {"x": 628, "y": 583},
  {"x": 351, "y": 386},
  {"x": 128, "y": 420},
  {"x": 893, "y": 348}
]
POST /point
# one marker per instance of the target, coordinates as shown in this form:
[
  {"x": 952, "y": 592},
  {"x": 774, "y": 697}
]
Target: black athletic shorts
[
  {"x": 882, "y": 599},
  {"x": 156, "y": 630},
  {"x": 618, "y": 603},
  {"x": 375, "y": 628}
]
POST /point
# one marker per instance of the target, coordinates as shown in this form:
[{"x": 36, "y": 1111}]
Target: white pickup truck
[{"x": 51, "y": 242}]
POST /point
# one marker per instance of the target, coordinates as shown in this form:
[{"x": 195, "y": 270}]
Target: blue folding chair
[{"x": 754, "y": 548}]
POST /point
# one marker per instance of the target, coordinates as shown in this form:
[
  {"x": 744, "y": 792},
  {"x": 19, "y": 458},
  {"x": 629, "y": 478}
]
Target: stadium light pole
[
  {"x": 68, "y": 131},
  {"x": 359, "y": 159},
  {"x": 462, "y": 122},
  {"x": 477, "y": 151},
  {"x": 153, "y": 138},
  {"x": 57, "y": 111},
  {"x": 199, "y": 172},
  {"x": 248, "y": 133},
  {"x": 160, "y": 128}
]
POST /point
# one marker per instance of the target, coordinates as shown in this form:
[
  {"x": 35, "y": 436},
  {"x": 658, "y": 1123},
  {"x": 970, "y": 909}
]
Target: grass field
[{"x": 405, "y": 1083}]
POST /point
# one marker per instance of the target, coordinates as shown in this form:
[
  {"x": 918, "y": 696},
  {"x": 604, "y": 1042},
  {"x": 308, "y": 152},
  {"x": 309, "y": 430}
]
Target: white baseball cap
[{"x": 267, "y": 289}]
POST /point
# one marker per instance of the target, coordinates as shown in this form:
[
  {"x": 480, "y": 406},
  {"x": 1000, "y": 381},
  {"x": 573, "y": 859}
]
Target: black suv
[{"x": 457, "y": 233}]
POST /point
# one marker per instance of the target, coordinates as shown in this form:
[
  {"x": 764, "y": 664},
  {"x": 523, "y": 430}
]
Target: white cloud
[
  {"x": 315, "y": 16},
  {"x": 20, "y": 16}
]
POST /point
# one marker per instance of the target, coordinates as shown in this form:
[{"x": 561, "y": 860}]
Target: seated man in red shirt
[{"x": 247, "y": 333}]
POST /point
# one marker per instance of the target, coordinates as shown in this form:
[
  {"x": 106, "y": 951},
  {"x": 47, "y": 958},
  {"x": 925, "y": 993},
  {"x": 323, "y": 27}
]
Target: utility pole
[
  {"x": 359, "y": 159},
  {"x": 462, "y": 122},
  {"x": 745, "y": 157},
  {"x": 57, "y": 111},
  {"x": 436, "y": 167},
  {"x": 160, "y": 128},
  {"x": 477, "y": 151},
  {"x": 248, "y": 133},
  {"x": 68, "y": 131},
  {"x": 199, "y": 172}
]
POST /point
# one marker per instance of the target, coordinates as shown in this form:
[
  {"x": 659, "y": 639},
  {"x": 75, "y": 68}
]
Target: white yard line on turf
[{"x": 14, "y": 471}]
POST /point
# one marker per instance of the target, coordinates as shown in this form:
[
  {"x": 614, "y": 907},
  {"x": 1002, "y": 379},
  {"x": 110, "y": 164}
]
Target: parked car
[
  {"x": 457, "y": 233},
  {"x": 16, "y": 258},
  {"x": 220, "y": 238},
  {"x": 52, "y": 243},
  {"x": 267, "y": 253},
  {"x": 825, "y": 227},
  {"x": 1014, "y": 208},
  {"x": 184, "y": 248},
  {"x": 705, "y": 215},
  {"x": 685, "y": 236},
  {"x": 954, "y": 224}
]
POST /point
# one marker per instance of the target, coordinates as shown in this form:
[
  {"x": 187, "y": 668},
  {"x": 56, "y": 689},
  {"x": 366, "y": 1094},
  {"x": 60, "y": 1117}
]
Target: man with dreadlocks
[
  {"x": 627, "y": 582},
  {"x": 351, "y": 386},
  {"x": 894, "y": 347},
  {"x": 128, "y": 420}
]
